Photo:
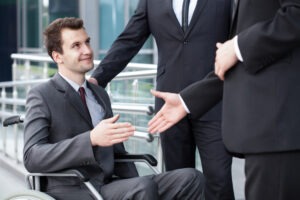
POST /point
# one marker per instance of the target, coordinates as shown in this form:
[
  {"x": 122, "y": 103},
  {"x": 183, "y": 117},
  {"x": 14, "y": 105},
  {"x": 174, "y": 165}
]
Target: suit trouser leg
[
  {"x": 272, "y": 176},
  {"x": 70, "y": 193},
  {"x": 215, "y": 159},
  {"x": 183, "y": 184},
  {"x": 133, "y": 188},
  {"x": 178, "y": 146}
]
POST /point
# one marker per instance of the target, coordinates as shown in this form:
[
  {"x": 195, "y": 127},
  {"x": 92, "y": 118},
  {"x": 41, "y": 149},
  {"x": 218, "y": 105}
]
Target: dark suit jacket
[
  {"x": 57, "y": 135},
  {"x": 183, "y": 58},
  {"x": 261, "y": 95}
]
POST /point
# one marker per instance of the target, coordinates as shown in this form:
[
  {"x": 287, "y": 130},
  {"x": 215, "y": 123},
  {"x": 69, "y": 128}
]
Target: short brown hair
[{"x": 52, "y": 34}]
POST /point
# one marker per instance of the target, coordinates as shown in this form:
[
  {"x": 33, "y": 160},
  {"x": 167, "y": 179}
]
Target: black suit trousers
[
  {"x": 179, "y": 144},
  {"x": 273, "y": 176}
]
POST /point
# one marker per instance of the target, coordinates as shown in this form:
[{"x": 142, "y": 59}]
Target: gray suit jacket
[
  {"x": 57, "y": 135},
  {"x": 261, "y": 95},
  {"x": 183, "y": 57}
]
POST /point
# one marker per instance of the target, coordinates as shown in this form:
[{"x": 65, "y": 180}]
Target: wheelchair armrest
[
  {"x": 63, "y": 173},
  {"x": 136, "y": 158},
  {"x": 15, "y": 119}
]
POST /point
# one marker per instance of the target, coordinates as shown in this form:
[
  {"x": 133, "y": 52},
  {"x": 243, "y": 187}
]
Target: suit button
[{"x": 185, "y": 42}]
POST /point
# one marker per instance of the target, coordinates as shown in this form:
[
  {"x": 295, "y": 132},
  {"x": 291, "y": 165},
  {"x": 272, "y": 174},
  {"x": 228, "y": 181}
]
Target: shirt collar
[{"x": 73, "y": 84}]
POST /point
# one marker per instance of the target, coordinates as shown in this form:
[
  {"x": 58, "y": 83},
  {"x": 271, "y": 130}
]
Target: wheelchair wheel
[{"x": 29, "y": 195}]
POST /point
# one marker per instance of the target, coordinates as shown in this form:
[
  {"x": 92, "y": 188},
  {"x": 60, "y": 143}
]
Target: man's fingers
[
  {"x": 219, "y": 71},
  {"x": 159, "y": 127},
  {"x": 112, "y": 119},
  {"x": 154, "y": 119},
  {"x": 219, "y": 45},
  {"x": 157, "y": 94},
  {"x": 156, "y": 123}
]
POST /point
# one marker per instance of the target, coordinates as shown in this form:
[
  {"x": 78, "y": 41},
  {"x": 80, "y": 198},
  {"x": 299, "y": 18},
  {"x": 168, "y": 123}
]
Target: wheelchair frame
[{"x": 33, "y": 179}]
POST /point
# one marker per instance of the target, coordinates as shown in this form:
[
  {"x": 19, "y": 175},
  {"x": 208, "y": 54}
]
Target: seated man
[{"x": 65, "y": 129}]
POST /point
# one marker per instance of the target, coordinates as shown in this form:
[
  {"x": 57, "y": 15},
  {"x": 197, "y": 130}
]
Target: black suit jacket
[
  {"x": 261, "y": 95},
  {"x": 183, "y": 58},
  {"x": 57, "y": 135}
]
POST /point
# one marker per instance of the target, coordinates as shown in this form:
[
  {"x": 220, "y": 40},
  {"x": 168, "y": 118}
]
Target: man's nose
[{"x": 86, "y": 49}]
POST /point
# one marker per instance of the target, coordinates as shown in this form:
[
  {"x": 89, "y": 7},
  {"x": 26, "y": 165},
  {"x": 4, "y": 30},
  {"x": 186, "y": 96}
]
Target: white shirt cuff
[
  {"x": 237, "y": 49},
  {"x": 183, "y": 104}
]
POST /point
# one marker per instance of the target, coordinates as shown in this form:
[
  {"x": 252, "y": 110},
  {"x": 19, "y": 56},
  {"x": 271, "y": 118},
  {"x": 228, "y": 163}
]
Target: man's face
[{"x": 77, "y": 56}]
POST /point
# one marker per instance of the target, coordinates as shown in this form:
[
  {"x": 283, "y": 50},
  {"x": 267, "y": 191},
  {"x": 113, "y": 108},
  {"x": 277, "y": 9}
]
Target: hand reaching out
[
  {"x": 171, "y": 112},
  {"x": 108, "y": 132}
]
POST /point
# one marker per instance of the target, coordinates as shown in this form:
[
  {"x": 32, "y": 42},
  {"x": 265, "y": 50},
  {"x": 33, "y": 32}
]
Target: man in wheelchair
[{"x": 69, "y": 124}]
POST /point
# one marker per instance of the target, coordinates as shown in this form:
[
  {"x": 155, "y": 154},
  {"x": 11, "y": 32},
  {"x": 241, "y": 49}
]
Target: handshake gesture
[{"x": 171, "y": 112}]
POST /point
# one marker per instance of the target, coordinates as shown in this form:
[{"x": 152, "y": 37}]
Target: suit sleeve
[
  {"x": 201, "y": 96},
  {"x": 268, "y": 41},
  {"x": 125, "y": 47},
  {"x": 40, "y": 155}
]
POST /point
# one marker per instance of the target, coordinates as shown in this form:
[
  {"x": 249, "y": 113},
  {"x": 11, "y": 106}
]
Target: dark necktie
[
  {"x": 82, "y": 95},
  {"x": 185, "y": 14}
]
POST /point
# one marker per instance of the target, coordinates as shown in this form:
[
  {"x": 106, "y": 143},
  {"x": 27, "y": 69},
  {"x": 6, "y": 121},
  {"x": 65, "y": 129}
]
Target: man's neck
[{"x": 77, "y": 78}]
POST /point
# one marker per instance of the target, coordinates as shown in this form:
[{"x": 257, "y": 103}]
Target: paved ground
[
  {"x": 238, "y": 177},
  {"x": 10, "y": 181}
]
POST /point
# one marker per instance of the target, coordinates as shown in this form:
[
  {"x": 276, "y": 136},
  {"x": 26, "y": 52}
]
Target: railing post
[
  {"x": 45, "y": 70},
  {"x": 3, "y": 96},
  {"x": 27, "y": 70},
  {"x": 15, "y": 128},
  {"x": 160, "y": 163},
  {"x": 14, "y": 70}
]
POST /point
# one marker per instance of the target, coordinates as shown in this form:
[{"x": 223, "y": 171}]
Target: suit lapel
[
  {"x": 173, "y": 15},
  {"x": 199, "y": 8},
  {"x": 72, "y": 97},
  {"x": 234, "y": 17},
  {"x": 99, "y": 99}
]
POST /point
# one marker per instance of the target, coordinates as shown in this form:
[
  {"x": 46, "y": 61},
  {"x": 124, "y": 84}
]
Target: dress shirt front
[
  {"x": 177, "y": 6},
  {"x": 95, "y": 109}
]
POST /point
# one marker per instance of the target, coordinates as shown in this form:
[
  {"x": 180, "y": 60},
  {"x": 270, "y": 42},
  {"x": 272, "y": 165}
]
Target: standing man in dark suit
[
  {"x": 261, "y": 95},
  {"x": 184, "y": 57},
  {"x": 65, "y": 129}
]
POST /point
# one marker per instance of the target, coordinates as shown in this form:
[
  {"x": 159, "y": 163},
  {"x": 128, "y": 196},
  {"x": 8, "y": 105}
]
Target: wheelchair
[{"x": 33, "y": 179}]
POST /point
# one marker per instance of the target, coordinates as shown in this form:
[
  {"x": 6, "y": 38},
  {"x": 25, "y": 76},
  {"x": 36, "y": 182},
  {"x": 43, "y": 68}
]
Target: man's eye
[{"x": 76, "y": 45}]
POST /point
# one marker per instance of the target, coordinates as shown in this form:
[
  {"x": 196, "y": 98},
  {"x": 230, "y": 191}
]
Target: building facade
[{"x": 23, "y": 22}]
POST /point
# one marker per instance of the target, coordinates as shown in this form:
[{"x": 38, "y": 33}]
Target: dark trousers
[
  {"x": 183, "y": 184},
  {"x": 273, "y": 176},
  {"x": 179, "y": 144}
]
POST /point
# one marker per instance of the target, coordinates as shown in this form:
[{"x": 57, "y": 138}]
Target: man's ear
[{"x": 57, "y": 57}]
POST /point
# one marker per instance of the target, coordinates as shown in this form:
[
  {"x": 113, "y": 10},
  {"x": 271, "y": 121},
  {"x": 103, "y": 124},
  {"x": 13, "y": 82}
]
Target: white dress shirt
[
  {"x": 177, "y": 6},
  {"x": 95, "y": 109}
]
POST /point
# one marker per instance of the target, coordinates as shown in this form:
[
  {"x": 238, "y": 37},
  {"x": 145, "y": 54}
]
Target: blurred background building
[{"x": 23, "y": 21}]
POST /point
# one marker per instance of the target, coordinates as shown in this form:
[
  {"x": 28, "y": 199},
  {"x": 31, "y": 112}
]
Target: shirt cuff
[
  {"x": 237, "y": 49},
  {"x": 183, "y": 104}
]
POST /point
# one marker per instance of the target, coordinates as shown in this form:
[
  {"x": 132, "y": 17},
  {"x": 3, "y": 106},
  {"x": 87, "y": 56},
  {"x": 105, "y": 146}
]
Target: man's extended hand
[
  {"x": 108, "y": 132},
  {"x": 225, "y": 58},
  {"x": 171, "y": 112}
]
